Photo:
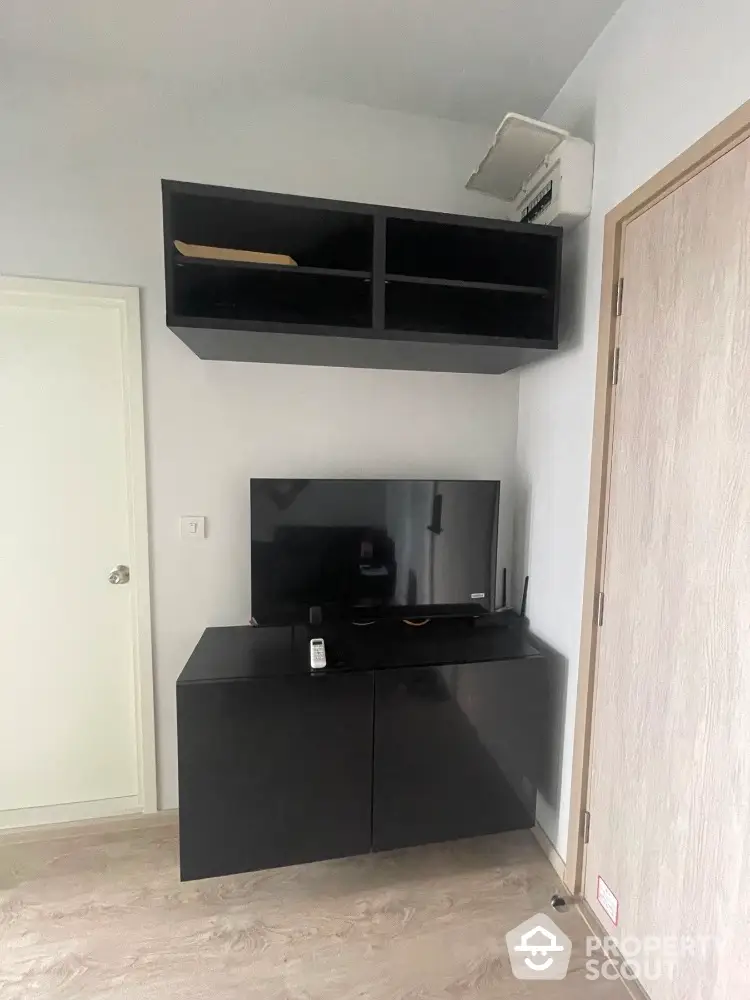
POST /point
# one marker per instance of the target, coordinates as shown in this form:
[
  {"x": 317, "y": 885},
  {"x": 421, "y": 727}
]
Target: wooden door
[
  {"x": 76, "y": 736},
  {"x": 670, "y": 781}
]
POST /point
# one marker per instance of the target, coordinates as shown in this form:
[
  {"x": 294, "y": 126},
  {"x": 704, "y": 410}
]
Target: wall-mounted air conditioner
[{"x": 544, "y": 174}]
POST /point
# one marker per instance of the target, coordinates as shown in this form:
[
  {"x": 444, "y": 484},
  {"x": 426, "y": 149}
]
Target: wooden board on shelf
[{"x": 226, "y": 253}]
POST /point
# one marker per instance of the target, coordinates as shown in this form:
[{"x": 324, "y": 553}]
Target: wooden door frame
[
  {"x": 708, "y": 149},
  {"x": 127, "y": 301}
]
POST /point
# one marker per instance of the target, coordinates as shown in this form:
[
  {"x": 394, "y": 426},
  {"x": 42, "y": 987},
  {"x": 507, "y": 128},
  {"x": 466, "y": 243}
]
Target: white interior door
[{"x": 76, "y": 724}]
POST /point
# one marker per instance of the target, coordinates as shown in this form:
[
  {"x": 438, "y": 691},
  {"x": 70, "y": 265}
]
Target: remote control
[{"x": 317, "y": 654}]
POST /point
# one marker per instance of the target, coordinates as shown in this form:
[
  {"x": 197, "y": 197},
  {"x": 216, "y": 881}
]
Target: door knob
[{"x": 120, "y": 574}]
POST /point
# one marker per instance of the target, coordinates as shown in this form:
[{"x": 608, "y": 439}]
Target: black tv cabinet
[
  {"x": 373, "y": 286},
  {"x": 409, "y": 736}
]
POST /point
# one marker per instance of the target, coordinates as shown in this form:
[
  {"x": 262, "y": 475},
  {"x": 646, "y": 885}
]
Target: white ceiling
[{"x": 470, "y": 60}]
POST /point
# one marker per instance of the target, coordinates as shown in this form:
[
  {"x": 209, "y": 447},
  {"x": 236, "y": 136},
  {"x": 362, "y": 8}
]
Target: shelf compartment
[
  {"x": 466, "y": 311},
  {"x": 489, "y": 286},
  {"x": 314, "y": 237},
  {"x": 273, "y": 294},
  {"x": 479, "y": 254}
]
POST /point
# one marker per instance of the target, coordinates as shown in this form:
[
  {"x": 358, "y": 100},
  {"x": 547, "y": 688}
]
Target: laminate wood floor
[{"x": 104, "y": 917}]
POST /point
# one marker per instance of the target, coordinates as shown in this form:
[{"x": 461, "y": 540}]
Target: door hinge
[
  {"x": 618, "y": 297},
  {"x": 616, "y": 366},
  {"x": 600, "y": 608},
  {"x": 586, "y": 825}
]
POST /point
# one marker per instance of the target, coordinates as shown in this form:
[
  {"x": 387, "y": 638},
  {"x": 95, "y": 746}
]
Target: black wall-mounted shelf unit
[{"x": 375, "y": 287}]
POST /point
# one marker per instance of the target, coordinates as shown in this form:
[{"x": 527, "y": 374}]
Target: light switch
[{"x": 192, "y": 527}]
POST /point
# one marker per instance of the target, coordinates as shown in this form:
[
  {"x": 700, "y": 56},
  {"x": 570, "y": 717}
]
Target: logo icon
[{"x": 538, "y": 949}]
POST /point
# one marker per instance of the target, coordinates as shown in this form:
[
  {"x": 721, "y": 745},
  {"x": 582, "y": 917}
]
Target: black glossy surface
[
  {"x": 241, "y": 652},
  {"x": 276, "y": 764},
  {"x": 454, "y": 752},
  {"x": 371, "y": 548},
  {"x": 273, "y": 772},
  {"x": 384, "y": 645},
  {"x": 462, "y": 294}
]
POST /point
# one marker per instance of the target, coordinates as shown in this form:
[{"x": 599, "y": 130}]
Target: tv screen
[{"x": 361, "y": 549}]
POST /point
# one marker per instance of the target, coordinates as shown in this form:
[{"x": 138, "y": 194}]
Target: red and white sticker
[{"x": 607, "y": 900}]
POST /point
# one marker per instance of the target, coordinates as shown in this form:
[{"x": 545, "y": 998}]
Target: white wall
[
  {"x": 660, "y": 76},
  {"x": 80, "y": 165}
]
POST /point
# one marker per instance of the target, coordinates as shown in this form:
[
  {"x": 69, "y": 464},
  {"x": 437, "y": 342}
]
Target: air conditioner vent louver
[{"x": 544, "y": 174}]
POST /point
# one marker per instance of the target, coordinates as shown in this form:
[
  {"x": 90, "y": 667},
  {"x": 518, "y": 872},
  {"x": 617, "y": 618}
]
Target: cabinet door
[
  {"x": 455, "y": 750},
  {"x": 274, "y": 772}
]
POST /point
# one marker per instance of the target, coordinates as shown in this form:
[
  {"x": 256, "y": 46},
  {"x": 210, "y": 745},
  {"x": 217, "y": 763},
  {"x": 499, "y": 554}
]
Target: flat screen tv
[{"x": 363, "y": 549}]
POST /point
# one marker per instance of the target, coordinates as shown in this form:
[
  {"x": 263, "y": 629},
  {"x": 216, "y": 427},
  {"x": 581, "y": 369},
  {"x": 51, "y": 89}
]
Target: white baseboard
[
  {"x": 550, "y": 852},
  {"x": 48, "y": 829},
  {"x": 69, "y": 812}
]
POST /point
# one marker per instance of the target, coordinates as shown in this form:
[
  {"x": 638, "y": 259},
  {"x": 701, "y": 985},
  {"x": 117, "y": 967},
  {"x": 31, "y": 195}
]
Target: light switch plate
[{"x": 192, "y": 527}]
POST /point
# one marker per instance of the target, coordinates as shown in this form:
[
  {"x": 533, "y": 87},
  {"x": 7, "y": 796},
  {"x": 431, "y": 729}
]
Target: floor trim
[
  {"x": 591, "y": 920},
  {"x": 550, "y": 851},
  {"x": 83, "y": 828},
  {"x": 70, "y": 812}
]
